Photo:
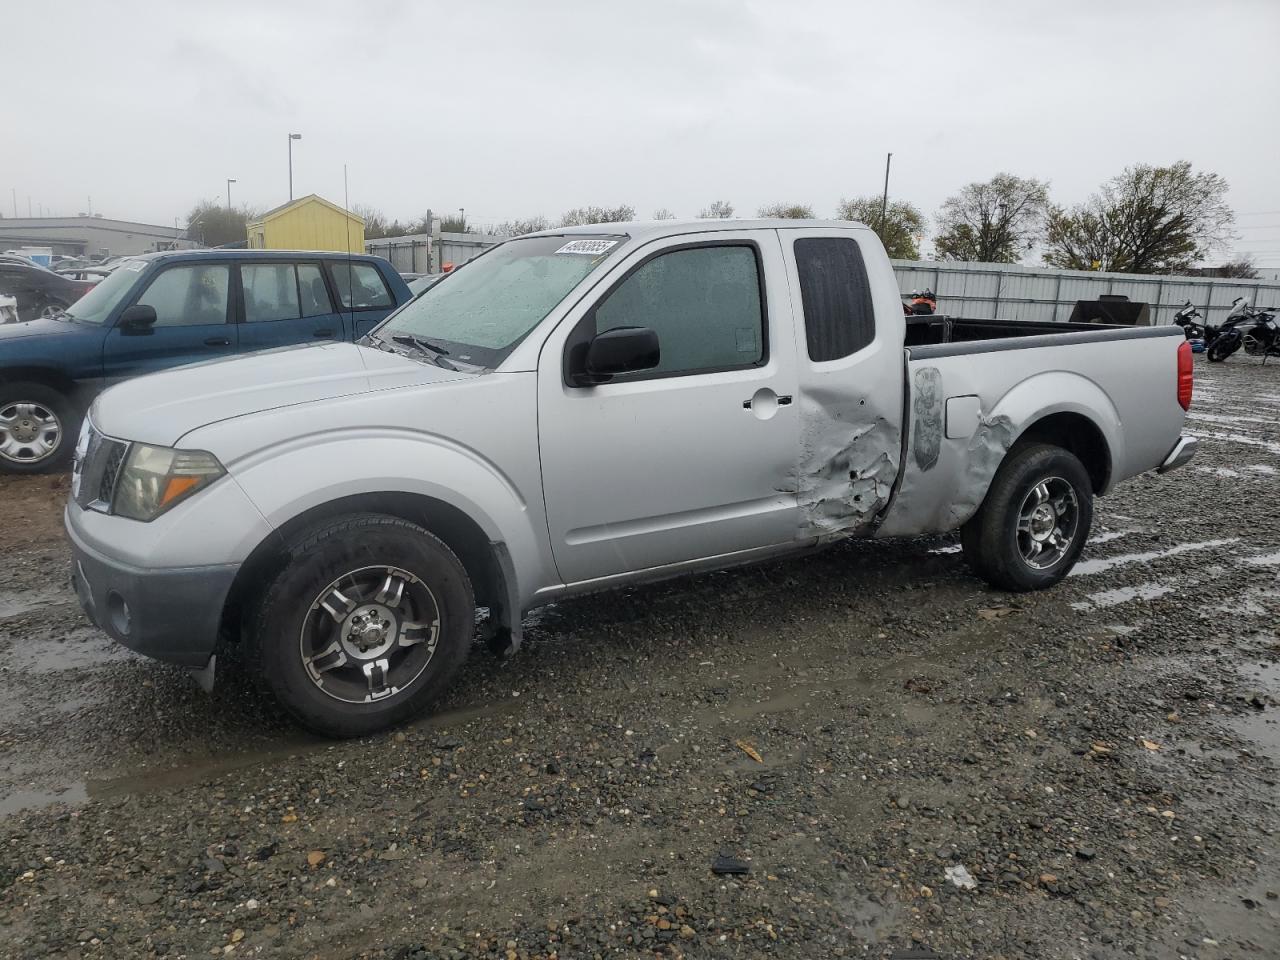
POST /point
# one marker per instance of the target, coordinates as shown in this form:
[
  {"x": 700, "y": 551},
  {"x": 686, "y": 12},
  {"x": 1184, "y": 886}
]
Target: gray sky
[{"x": 513, "y": 109}]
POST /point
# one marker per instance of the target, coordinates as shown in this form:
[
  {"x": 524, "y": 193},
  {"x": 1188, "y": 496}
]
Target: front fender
[{"x": 286, "y": 480}]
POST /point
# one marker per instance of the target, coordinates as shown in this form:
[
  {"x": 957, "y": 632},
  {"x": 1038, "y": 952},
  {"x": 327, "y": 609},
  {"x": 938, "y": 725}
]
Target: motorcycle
[
  {"x": 1244, "y": 325},
  {"x": 1194, "y": 327}
]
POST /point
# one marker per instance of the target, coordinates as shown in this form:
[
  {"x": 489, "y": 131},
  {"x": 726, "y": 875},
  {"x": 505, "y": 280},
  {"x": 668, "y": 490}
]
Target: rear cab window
[
  {"x": 839, "y": 319},
  {"x": 360, "y": 286}
]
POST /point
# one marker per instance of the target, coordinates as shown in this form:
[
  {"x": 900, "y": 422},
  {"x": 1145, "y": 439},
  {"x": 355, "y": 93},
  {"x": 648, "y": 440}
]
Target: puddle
[
  {"x": 1108, "y": 536},
  {"x": 16, "y": 604},
  {"x": 1268, "y": 445},
  {"x": 949, "y": 548},
  {"x": 1264, "y": 559},
  {"x": 1087, "y": 567},
  {"x": 79, "y": 650},
  {"x": 25, "y": 799},
  {"x": 1113, "y": 598}
]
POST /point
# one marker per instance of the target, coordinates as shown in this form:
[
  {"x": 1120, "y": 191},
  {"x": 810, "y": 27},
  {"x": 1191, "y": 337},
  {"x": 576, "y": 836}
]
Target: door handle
[
  {"x": 217, "y": 342},
  {"x": 783, "y": 401},
  {"x": 322, "y": 333}
]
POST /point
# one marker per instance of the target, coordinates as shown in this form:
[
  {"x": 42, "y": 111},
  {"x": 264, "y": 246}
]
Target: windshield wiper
[{"x": 435, "y": 351}]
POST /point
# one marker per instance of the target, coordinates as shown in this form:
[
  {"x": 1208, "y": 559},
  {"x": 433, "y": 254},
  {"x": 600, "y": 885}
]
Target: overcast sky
[{"x": 521, "y": 108}]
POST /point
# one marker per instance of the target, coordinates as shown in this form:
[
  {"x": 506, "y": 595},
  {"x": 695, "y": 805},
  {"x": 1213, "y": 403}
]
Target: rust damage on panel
[
  {"x": 927, "y": 406},
  {"x": 848, "y": 463}
]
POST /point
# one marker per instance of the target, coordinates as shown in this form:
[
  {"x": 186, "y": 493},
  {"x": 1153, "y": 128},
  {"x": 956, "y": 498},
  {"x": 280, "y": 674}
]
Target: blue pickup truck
[{"x": 165, "y": 309}]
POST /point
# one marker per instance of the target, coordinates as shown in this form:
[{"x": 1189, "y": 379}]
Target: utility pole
[
  {"x": 14, "y": 191},
  {"x": 884, "y": 200},
  {"x": 292, "y": 137},
  {"x": 230, "y": 181}
]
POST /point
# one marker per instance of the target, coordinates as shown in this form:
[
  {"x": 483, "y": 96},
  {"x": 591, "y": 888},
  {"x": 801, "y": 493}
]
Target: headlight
[{"x": 156, "y": 478}]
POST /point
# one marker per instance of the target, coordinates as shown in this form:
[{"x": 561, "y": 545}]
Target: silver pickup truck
[{"x": 580, "y": 409}]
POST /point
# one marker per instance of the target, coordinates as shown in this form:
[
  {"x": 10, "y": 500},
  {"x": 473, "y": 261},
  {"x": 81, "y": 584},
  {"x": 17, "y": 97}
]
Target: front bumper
[
  {"x": 169, "y": 614},
  {"x": 1182, "y": 451}
]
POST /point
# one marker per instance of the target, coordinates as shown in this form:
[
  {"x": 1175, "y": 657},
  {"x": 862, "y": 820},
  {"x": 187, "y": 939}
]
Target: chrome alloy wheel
[
  {"x": 29, "y": 432},
  {"x": 1047, "y": 523},
  {"x": 369, "y": 634}
]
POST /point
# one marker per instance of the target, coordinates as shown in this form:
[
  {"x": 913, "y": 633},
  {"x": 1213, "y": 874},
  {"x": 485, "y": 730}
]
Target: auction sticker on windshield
[{"x": 589, "y": 247}]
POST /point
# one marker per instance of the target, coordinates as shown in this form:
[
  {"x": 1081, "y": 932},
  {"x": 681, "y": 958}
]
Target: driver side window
[
  {"x": 189, "y": 295},
  {"x": 703, "y": 302}
]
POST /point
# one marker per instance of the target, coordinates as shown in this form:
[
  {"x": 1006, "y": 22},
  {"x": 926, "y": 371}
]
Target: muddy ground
[{"x": 906, "y": 762}]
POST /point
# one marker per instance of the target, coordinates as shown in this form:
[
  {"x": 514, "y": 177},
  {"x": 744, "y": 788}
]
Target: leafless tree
[
  {"x": 718, "y": 210},
  {"x": 580, "y": 216},
  {"x": 787, "y": 211}
]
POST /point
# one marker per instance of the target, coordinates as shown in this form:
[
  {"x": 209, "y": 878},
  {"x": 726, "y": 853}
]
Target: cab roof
[{"x": 651, "y": 229}]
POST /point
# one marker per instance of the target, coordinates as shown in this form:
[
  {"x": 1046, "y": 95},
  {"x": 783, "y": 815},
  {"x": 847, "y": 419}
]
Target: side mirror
[
  {"x": 617, "y": 351},
  {"x": 138, "y": 319}
]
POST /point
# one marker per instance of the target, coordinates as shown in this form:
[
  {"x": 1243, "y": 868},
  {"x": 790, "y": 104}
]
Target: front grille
[{"x": 97, "y": 470}]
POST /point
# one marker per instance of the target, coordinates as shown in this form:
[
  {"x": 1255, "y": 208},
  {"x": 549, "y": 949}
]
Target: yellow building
[{"x": 308, "y": 223}]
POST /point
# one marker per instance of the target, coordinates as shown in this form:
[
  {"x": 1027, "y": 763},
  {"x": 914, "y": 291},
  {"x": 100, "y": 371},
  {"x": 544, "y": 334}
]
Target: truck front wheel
[
  {"x": 1034, "y": 522},
  {"x": 365, "y": 624}
]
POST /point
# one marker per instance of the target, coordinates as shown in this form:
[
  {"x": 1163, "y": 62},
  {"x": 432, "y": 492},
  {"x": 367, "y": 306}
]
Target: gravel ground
[{"x": 903, "y": 762}]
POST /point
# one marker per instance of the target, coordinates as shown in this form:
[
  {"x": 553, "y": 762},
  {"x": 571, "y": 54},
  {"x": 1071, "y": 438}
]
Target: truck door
[
  {"x": 692, "y": 459},
  {"x": 850, "y": 372},
  {"x": 286, "y": 303},
  {"x": 194, "y": 321}
]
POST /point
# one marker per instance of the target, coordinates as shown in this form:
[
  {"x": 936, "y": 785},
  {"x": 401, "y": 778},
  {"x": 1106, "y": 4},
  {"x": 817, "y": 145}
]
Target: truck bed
[
  {"x": 934, "y": 329},
  {"x": 975, "y": 386}
]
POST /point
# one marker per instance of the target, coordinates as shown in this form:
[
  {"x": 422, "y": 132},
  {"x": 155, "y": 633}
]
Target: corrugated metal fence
[
  {"x": 417, "y": 253},
  {"x": 1014, "y": 292}
]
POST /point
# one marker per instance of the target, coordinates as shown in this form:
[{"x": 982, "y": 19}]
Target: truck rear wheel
[
  {"x": 1034, "y": 522},
  {"x": 364, "y": 626}
]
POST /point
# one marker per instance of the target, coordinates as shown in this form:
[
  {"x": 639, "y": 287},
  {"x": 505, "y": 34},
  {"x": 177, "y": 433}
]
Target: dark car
[
  {"x": 39, "y": 292},
  {"x": 162, "y": 310}
]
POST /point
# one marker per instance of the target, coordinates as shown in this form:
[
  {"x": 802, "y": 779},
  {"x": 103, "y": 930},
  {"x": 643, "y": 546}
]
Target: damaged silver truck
[{"x": 580, "y": 409}]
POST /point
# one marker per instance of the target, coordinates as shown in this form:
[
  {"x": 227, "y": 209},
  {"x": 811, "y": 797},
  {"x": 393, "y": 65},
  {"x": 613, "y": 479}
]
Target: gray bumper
[
  {"x": 171, "y": 615},
  {"x": 1182, "y": 451}
]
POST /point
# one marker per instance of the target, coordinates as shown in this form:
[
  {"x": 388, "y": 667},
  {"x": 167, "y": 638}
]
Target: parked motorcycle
[
  {"x": 1194, "y": 326},
  {"x": 1242, "y": 324}
]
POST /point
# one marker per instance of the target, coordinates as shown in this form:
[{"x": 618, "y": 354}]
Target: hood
[
  {"x": 40, "y": 328},
  {"x": 162, "y": 407}
]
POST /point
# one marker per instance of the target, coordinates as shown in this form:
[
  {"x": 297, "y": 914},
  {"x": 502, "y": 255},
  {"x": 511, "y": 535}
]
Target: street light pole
[
  {"x": 884, "y": 200},
  {"x": 292, "y": 137},
  {"x": 230, "y": 181}
]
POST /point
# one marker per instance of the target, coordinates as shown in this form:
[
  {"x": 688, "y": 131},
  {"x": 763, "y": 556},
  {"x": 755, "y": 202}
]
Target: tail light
[{"x": 1186, "y": 375}]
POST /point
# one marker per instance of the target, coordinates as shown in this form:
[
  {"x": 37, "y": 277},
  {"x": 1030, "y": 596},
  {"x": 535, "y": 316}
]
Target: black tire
[
  {"x": 16, "y": 454},
  {"x": 1222, "y": 348},
  {"x": 287, "y": 621},
  {"x": 994, "y": 547}
]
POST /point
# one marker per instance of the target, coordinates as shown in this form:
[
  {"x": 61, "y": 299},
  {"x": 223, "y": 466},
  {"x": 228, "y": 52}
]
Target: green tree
[
  {"x": 1146, "y": 220},
  {"x": 993, "y": 222},
  {"x": 580, "y": 216},
  {"x": 902, "y": 223},
  {"x": 787, "y": 211},
  {"x": 452, "y": 224},
  {"x": 215, "y": 225}
]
